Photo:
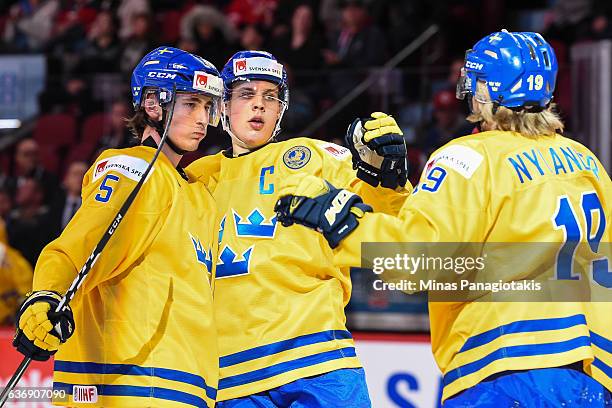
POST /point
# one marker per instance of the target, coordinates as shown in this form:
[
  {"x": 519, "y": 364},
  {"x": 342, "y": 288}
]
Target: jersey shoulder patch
[
  {"x": 462, "y": 159},
  {"x": 336, "y": 151},
  {"x": 129, "y": 166},
  {"x": 297, "y": 157}
]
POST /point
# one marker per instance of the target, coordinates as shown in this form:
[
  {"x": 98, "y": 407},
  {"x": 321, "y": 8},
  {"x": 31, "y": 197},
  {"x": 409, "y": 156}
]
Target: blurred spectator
[
  {"x": 359, "y": 43},
  {"x": 251, "y": 38},
  {"x": 30, "y": 23},
  {"x": 301, "y": 46},
  {"x": 69, "y": 199},
  {"x": 72, "y": 96},
  {"x": 301, "y": 109},
  {"x": 117, "y": 135},
  {"x": 211, "y": 31},
  {"x": 29, "y": 226},
  {"x": 600, "y": 24},
  {"x": 241, "y": 12},
  {"x": 402, "y": 21},
  {"x": 6, "y": 203},
  {"x": 126, "y": 12},
  {"x": 138, "y": 44},
  {"x": 28, "y": 166},
  {"x": 570, "y": 20},
  {"x": 448, "y": 122},
  {"x": 71, "y": 25},
  {"x": 330, "y": 14},
  {"x": 102, "y": 50}
]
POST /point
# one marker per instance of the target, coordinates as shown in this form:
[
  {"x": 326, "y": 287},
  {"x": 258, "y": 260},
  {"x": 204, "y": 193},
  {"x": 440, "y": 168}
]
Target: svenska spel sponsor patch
[
  {"x": 464, "y": 160},
  {"x": 203, "y": 81},
  {"x": 129, "y": 166},
  {"x": 258, "y": 65},
  {"x": 336, "y": 151}
]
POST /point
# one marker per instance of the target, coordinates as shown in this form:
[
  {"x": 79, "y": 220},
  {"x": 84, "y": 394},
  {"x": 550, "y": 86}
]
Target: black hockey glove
[
  {"x": 317, "y": 204},
  {"x": 41, "y": 330},
  {"x": 379, "y": 151}
]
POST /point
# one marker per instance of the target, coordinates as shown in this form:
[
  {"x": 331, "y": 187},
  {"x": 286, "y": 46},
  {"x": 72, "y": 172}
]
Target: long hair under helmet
[{"x": 254, "y": 65}]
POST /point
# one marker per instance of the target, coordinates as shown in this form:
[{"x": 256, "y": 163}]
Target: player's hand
[
  {"x": 41, "y": 330},
  {"x": 379, "y": 150},
  {"x": 315, "y": 203}
]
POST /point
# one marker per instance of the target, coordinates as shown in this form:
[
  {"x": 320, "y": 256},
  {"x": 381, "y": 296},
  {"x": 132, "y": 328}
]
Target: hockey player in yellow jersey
[
  {"x": 143, "y": 332},
  {"x": 279, "y": 301},
  {"x": 15, "y": 279},
  {"x": 518, "y": 181}
]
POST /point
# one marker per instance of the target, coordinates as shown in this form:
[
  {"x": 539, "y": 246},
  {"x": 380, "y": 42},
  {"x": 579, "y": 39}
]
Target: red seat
[
  {"x": 81, "y": 152},
  {"x": 57, "y": 130},
  {"x": 93, "y": 128},
  {"x": 49, "y": 158}
]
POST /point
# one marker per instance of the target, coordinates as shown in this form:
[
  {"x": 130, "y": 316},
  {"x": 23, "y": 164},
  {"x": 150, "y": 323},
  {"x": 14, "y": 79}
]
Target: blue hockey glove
[
  {"x": 41, "y": 330},
  {"x": 317, "y": 204},
  {"x": 379, "y": 151}
]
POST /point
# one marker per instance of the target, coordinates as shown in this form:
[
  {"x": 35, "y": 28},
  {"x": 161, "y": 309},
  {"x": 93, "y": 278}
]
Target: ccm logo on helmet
[
  {"x": 161, "y": 75},
  {"x": 474, "y": 65}
]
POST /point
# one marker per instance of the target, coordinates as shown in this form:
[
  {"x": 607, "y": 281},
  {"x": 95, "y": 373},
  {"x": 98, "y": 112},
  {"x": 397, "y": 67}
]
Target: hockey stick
[{"x": 91, "y": 260}]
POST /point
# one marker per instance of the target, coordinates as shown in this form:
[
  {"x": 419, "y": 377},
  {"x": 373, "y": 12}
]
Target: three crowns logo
[
  {"x": 255, "y": 225},
  {"x": 201, "y": 255},
  {"x": 228, "y": 265}
]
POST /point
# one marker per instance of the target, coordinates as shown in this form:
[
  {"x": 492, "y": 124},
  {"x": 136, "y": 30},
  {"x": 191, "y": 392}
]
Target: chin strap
[{"x": 159, "y": 128}]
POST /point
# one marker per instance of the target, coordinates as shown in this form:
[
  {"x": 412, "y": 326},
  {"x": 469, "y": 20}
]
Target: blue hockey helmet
[
  {"x": 165, "y": 67},
  {"x": 255, "y": 65},
  {"x": 519, "y": 70}
]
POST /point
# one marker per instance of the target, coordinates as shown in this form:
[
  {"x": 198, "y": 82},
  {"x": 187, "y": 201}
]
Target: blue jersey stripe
[
  {"x": 273, "y": 348},
  {"x": 130, "y": 369},
  {"x": 280, "y": 368},
  {"x": 603, "y": 367},
  {"x": 601, "y": 342},
  {"x": 137, "y": 391},
  {"x": 523, "y": 326},
  {"x": 516, "y": 351}
]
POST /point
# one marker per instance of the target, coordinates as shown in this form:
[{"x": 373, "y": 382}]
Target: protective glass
[
  {"x": 464, "y": 85},
  {"x": 164, "y": 96},
  {"x": 269, "y": 98}
]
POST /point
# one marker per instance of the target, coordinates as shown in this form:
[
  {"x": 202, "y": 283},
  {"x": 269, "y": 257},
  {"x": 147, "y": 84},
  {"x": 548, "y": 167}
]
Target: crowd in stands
[{"x": 327, "y": 46}]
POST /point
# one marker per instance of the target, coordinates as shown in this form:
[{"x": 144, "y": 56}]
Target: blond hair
[{"x": 530, "y": 124}]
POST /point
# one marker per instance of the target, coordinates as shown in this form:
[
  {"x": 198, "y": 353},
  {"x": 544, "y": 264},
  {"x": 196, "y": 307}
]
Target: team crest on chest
[
  {"x": 296, "y": 157},
  {"x": 201, "y": 255},
  {"x": 255, "y": 225}
]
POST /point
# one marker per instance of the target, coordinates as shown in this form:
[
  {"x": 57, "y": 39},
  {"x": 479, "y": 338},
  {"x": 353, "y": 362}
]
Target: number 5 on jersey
[{"x": 105, "y": 190}]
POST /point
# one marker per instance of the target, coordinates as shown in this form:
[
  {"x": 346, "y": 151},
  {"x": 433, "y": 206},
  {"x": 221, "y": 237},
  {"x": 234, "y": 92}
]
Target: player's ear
[{"x": 152, "y": 107}]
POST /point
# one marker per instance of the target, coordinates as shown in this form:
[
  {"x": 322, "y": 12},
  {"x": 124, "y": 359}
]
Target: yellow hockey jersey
[
  {"x": 145, "y": 333},
  {"x": 15, "y": 281},
  {"x": 503, "y": 187},
  {"x": 279, "y": 300}
]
